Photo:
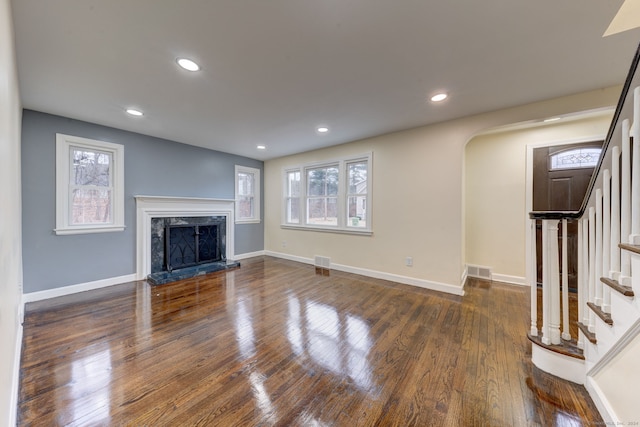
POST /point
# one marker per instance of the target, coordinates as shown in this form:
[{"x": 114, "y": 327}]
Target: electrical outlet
[
  {"x": 284, "y": 243},
  {"x": 409, "y": 261}
]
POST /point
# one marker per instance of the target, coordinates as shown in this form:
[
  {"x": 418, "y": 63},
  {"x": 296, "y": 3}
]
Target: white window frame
[
  {"x": 256, "y": 218},
  {"x": 344, "y": 225},
  {"x": 64, "y": 145}
]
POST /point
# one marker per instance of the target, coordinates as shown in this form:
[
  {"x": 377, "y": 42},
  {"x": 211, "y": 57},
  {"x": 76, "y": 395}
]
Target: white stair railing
[{"x": 608, "y": 218}]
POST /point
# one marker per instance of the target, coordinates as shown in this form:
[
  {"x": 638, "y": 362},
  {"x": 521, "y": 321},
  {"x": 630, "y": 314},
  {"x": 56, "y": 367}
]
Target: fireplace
[
  {"x": 179, "y": 238},
  {"x": 179, "y": 242},
  {"x": 189, "y": 245}
]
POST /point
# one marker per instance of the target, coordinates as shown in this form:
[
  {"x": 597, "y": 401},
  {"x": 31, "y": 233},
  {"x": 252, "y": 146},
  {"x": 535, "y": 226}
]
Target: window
[
  {"x": 247, "y": 194},
  {"x": 333, "y": 196},
  {"x": 89, "y": 185},
  {"x": 357, "y": 193},
  {"x": 292, "y": 197},
  {"x": 322, "y": 196}
]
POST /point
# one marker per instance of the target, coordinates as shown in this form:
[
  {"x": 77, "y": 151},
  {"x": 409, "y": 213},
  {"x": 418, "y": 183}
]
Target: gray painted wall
[{"x": 153, "y": 166}]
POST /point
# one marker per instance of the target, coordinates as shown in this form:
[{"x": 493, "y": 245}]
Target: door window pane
[{"x": 576, "y": 158}]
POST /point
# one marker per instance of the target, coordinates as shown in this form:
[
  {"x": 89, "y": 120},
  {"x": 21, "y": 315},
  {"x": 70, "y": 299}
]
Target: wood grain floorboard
[{"x": 275, "y": 344}]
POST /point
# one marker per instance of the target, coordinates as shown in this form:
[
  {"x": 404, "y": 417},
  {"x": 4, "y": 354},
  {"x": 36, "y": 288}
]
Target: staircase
[{"x": 605, "y": 354}]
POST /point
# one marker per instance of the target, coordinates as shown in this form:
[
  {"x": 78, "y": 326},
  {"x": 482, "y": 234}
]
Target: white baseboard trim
[
  {"x": 421, "y": 283},
  {"x": 465, "y": 275},
  {"x": 239, "y": 257},
  {"x": 290, "y": 257},
  {"x": 73, "y": 289},
  {"x": 15, "y": 378},
  {"x": 601, "y": 402},
  {"x": 514, "y": 280}
]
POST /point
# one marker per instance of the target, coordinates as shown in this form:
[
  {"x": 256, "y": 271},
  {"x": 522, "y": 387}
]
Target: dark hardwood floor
[{"x": 274, "y": 343}]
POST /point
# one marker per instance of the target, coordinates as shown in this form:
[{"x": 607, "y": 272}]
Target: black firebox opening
[{"x": 188, "y": 245}]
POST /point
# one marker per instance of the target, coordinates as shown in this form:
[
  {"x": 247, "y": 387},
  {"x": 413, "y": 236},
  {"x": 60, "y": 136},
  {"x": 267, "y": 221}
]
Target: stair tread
[
  {"x": 567, "y": 348},
  {"x": 606, "y": 317},
  {"x": 591, "y": 336},
  {"x": 627, "y": 291}
]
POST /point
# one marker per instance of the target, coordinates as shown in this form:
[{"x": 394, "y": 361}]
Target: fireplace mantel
[{"x": 148, "y": 207}]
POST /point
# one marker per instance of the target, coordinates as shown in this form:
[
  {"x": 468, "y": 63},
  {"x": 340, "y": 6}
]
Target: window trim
[
  {"x": 64, "y": 144},
  {"x": 343, "y": 226},
  {"x": 257, "y": 217}
]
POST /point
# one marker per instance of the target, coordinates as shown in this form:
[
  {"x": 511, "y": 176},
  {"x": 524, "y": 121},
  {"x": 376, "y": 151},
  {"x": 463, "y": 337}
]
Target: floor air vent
[
  {"x": 323, "y": 265},
  {"x": 479, "y": 272}
]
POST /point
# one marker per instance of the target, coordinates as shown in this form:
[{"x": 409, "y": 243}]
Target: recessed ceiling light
[
  {"x": 261, "y": 147},
  {"x": 439, "y": 97},
  {"x": 188, "y": 64},
  {"x": 552, "y": 119},
  {"x": 134, "y": 112},
  {"x": 323, "y": 129}
]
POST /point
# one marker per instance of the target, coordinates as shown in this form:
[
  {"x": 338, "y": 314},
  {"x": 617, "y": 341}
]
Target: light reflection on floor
[
  {"x": 244, "y": 329},
  {"x": 90, "y": 387},
  {"x": 337, "y": 342}
]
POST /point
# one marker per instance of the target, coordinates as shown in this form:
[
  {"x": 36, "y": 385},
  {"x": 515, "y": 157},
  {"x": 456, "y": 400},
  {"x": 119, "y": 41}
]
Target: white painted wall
[
  {"x": 10, "y": 225},
  {"x": 418, "y": 194},
  {"x": 617, "y": 382},
  {"x": 495, "y": 183}
]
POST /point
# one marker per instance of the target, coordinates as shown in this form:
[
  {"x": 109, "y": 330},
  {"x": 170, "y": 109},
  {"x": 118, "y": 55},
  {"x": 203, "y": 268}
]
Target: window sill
[
  {"x": 248, "y": 221},
  {"x": 353, "y": 231},
  {"x": 88, "y": 230}
]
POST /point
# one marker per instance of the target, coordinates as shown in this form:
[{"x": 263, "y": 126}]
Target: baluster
[
  {"x": 533, "y": 280},
  {"x": 606, "y": 239},
  {"x": 614, "y": 273},
  {"x": 581, "y": 277},
  {"x": 592, "y": 263},
  {"x": 598, "y": 249},
  {"x": 635, "y": 168},
  {"x": 585, "y": 270},
  {"x": 566, "y": 334},
  {"x": 625, "y": 208}
]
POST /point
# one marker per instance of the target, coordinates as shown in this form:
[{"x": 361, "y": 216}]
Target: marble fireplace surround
[{"x": 148, "y": 207}]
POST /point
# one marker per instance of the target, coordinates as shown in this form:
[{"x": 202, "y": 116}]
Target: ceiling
[{"x": 273, "y": 71}]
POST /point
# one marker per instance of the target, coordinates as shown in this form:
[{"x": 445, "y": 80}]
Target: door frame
[{"x": 530, "y": 264}]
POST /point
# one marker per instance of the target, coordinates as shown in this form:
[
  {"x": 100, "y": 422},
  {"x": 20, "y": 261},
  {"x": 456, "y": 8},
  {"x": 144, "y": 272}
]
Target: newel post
[
  {"x": 533, "y": 279},
  {"x": 566, "y": 335},
  {"x": 550, "y": 283}
]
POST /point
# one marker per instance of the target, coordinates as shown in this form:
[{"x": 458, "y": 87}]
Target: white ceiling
[{"x": 274, "y": 70}]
